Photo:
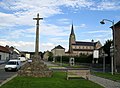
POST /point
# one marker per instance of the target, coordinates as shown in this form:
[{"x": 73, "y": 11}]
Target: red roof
[{"x": 4, "y": 49}]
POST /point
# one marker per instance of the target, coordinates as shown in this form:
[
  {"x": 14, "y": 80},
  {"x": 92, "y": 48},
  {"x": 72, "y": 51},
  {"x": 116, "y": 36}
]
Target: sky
[{"x": 17, "y": 27}]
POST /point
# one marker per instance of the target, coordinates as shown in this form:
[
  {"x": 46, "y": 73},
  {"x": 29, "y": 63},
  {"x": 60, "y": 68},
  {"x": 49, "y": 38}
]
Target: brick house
[
  {"x": 116, "y": 35},
  {"x": 4, "y": 53}
]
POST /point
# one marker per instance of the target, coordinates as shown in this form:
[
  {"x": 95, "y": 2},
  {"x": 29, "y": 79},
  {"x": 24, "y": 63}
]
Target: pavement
[
  {"x": 104, "y": 82},
  {"x": 2, "y": 66}
]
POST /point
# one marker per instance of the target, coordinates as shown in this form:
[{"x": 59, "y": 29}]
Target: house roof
[
  {"x": 116, "y": 25},
  {"x": 84, "y": 43},
  {"x": 59, "y": 47},
  {"x": 4, "y": 49}
]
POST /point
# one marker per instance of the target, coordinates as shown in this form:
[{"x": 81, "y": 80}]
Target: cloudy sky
[{"x": 17, "y": 27}]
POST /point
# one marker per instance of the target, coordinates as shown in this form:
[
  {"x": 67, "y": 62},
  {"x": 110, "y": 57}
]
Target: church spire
[
  {"x": 72, "y": 30},
  {"x": 72, "y": 39}
]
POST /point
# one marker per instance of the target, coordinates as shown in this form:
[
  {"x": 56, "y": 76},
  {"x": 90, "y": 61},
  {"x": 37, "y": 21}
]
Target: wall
[
  {"x": 4, "y": 56},
  {"x": 117, "y": 45},
  {"x": 58, "y": 52}
]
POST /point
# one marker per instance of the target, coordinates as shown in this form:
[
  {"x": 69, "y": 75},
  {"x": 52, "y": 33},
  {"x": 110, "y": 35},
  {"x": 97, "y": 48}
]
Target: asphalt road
[{"x": 5, "y": 75}]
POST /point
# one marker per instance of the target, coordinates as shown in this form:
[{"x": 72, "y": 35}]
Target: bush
[
  {"x": 84, "y": 59},
  {"x": 79, "y": 59}
]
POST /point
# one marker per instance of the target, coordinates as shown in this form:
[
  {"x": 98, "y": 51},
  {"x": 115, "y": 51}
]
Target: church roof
[{"x": 84, "y": 43}]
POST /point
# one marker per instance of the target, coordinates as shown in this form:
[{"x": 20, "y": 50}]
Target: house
[
  {"x": 4, "y": 53},
  {"x": 58, "y": 51},
  {"x": 14, "y": 53},
  {"x": 77, "y": 48},
  {"x": 46, "y": 56},
  {"x": 116, "y": 37},
  {"x": 25, "y": 54}
]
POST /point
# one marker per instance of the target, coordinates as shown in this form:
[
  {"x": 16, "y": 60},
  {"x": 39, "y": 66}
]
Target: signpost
[
  {"x": 95, "y": 56},
  {"x": 72, "y": 61}
]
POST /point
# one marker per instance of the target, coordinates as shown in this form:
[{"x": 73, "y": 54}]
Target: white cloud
[
  {"x": 107, "y": 5},
  {"x": 47, "y": 46},
  {"x": 100, "y": 31},
  {"x": 79, "y": 27},
  {"x": 58, "y": 40},
  {"x": 78, "y": 3},
  {"x": 54, "y": 30},
  {"x": 64, "y": 21},
  {"x": 8, "y": 20},
  {"x": 21, "y": 45},
  {"x": 83, "y": 25},
  {"x": 25, "y": 10}
]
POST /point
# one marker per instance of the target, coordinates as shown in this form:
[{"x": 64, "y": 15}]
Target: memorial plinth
[{"x": 36, "y": 68}]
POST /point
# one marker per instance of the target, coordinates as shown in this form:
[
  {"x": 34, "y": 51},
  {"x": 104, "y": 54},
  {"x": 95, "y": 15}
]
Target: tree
[
  {"x": 50, "y": 56},
  {"x": 106, "y": 48}
]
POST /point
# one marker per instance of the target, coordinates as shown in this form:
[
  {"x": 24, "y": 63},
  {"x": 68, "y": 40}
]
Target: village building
[
  {"x": 14, "y": 53},
  {"x": 46, "y": 56},
  {"x": 58, "y": 51},
  {"x": 7, "y": 53},
  {"x": 4, "y": 53},
  {"x": 116, "y": 35}
]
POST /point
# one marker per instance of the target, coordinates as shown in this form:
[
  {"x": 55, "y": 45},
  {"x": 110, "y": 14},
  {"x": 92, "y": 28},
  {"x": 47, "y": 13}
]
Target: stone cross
[{"x": 37, "y": 35}]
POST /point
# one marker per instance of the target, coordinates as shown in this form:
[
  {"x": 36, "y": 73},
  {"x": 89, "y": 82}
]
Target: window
[
  {"x": 0, "y": 57},
  {"x": 83, "y": 47},
  {"x": 79, "y": 47}
]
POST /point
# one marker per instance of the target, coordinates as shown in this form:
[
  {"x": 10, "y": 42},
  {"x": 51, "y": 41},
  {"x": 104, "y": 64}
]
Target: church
[{"x": 77, "y": 48}]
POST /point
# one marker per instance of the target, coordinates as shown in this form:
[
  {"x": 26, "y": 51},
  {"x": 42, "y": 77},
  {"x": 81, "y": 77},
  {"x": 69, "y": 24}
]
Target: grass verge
[
  {"x": 57, "y": 81},
  {"x": 115, "y": 77}
]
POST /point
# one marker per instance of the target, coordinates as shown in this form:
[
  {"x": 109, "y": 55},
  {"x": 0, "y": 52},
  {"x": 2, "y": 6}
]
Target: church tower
[{"x": 71, "y": 39}]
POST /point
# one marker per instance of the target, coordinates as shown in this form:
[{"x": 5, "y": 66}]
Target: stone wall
[{"x": 35, "y": 69}]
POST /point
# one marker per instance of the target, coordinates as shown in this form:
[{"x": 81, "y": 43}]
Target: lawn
[
  {"x": 115, "y": 77},
  {"x": 57, "y": 81}
]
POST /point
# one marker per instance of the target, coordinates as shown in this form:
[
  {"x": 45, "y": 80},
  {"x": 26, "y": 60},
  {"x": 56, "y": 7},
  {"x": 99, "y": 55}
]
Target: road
[{"x": 5, "y": 75}]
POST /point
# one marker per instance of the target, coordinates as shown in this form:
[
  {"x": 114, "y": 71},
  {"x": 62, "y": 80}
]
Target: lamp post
[
  {"x": 103, "y": 22},
  {"x": 111, "y": 54}
]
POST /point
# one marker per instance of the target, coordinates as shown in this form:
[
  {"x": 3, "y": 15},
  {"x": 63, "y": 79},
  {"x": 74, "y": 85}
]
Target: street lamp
[{"x": 103, "y": 22}]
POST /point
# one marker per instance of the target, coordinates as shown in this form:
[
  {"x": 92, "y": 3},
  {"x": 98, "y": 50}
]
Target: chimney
[{"x": 92, "y": 41}]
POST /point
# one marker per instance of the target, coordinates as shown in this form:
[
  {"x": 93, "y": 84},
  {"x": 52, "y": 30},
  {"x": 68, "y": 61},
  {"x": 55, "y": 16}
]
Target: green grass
[
  {"x": 57, "y": 81},
  {"x": 115, "y": 77}
]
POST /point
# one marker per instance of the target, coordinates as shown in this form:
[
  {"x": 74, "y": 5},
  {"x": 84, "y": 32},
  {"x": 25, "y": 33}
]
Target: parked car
[
  {"x": 22, "y": 59},
  {"x": 13, "y": 65},
  {"x": 29, "y": 60}
]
